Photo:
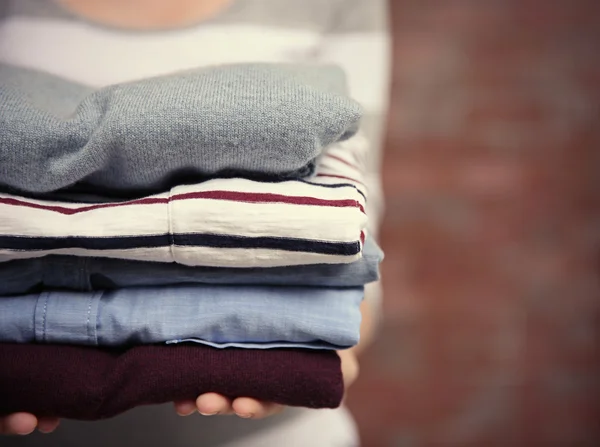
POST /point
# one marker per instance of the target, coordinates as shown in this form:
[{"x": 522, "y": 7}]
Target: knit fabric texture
[
  {"x": 91, "y": 383},
  {"x": 266, "y": 120}
]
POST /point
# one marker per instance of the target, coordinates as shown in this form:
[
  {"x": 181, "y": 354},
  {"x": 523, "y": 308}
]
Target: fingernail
[
  {"x": 187, "y": 411},
  {"x": 209, "y": 414},
  {"x": 244, "y": 415}
]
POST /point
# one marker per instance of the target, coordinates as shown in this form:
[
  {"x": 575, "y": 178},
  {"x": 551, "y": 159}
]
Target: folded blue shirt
[
  {"x": 86, "y": 274},
  {"x": 220, "y": 316}
]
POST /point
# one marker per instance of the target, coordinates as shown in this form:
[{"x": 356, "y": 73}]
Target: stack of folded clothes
[{"x": 199, "y": 232}]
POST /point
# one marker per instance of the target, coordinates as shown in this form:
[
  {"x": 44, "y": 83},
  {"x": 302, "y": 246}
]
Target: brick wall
[{"x": 491, "y": 334}]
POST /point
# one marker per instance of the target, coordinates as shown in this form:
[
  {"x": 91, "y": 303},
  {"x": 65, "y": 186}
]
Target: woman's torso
[{"x": 39, "y": 34}]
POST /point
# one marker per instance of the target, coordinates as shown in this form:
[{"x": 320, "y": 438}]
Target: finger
[
  {"x": 185, "y": 407},
  {"x": 47, "y": 425},
  {"x": 212, "y": 403},
  {"x": 350, "y": 367},
  {"x": 247, "y": 408},
  {"x": 18, "y": 424}
]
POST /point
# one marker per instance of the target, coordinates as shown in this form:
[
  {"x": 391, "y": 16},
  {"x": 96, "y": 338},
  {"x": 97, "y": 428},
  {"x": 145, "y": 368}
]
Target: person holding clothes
[{"x": 98, "y": 43}]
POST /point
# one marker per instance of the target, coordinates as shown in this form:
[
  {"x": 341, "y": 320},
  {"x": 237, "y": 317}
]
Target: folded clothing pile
[{"x": 198, "y": 232}]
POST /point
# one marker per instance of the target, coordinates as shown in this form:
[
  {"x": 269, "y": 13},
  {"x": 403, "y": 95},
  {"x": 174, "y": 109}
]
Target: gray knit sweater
[{"x": 268, "y": 120}]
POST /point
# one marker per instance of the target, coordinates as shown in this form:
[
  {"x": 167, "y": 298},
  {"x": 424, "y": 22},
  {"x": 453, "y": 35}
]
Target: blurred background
[{"x": 491, "y": 331}]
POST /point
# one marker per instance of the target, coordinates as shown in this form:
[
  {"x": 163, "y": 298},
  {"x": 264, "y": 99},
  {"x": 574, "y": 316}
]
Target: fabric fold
[
  {"x": 251, "y": 317},
  {"x": 139, "y": 138},
  {"x": 230, "y": 222},
  {"x": 86, "y": 274},
  {"x": 91, "y": 383}
]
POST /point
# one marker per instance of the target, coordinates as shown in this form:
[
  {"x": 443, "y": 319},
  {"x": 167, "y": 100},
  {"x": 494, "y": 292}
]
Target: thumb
[{"x": 350, "y": 367}]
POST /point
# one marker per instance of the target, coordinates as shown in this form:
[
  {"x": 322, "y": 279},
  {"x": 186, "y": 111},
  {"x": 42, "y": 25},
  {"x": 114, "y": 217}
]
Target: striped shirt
[{"x": 225, "y": 222}]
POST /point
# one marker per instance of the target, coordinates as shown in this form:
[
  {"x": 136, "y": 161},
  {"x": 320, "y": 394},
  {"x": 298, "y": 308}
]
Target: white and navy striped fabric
[{"x": 220, "y": 223}]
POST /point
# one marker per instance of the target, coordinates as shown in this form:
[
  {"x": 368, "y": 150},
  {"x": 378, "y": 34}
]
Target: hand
[
  {"x": 25, "y": 423},
  {"x": 212, "y": 404}
]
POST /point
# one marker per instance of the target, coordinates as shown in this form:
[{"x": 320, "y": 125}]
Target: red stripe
[
  {"x": 347, "y": 163},
  {"x": 257, "y": 197},
  {"x": 362, "y": 238},
  {"x": 354, "y": 155},
  {"x": 234, "y": 196},
  {"x": 83, "y": 209},
  {"x": 340, "y": 176}
]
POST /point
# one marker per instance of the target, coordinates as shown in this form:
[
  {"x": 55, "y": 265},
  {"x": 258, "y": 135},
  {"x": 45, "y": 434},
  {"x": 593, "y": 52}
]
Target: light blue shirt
[{"x": 220, "y": 316}]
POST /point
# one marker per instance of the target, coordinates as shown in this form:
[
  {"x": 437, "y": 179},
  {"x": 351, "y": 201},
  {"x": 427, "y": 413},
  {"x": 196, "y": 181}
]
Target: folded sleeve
[{"x": 359, "y": 40}]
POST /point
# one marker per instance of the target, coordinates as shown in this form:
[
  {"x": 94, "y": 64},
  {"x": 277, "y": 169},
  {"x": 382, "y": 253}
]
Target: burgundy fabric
[{"x": 90, "y": 383}]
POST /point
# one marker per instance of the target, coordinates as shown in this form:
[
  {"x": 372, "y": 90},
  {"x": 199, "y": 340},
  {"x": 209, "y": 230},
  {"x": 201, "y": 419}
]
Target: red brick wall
[{"x": 491, "y": 334}]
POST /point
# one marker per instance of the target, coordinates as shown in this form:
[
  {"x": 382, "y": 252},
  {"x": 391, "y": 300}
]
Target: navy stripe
[
  {"x": 333, "y": 186},
  {"x": 272, "y": 243},
  {"x": 29, "y": 243},
  {"x": 24, "y": 243}
]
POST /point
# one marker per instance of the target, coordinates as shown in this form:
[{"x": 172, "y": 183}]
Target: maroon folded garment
[{"x": 90, "y": 383}]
